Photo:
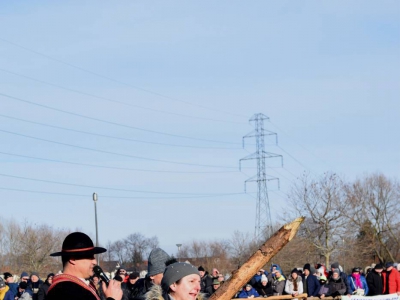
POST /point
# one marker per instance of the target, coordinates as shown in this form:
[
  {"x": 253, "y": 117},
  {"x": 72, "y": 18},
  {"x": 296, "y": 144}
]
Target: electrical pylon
[{"x": 263, "y": 212}]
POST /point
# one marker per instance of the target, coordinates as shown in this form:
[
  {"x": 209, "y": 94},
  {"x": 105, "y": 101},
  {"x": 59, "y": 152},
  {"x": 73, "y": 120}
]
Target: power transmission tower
[{"x": 263, "y": 212}]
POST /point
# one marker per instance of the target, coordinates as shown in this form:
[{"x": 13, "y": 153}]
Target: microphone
[{"x": 99, "y": 272}]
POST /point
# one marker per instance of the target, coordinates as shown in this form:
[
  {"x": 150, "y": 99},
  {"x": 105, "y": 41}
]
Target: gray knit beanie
[
  {"x": 175, "y": 272},
  {"x": 156, "y": 263}
]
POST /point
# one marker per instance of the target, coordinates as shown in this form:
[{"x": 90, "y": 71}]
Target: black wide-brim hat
[{"x": 78, "y": 244}]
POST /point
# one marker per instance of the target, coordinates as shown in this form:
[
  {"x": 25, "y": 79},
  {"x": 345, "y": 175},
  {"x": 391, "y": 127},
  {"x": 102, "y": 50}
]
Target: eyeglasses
[{"x": 25, "y": 278}]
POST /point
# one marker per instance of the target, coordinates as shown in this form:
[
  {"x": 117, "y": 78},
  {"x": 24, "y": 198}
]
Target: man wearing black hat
[
  {"x": 78, "y": 260},
  {"x": 375, "y": 281}
]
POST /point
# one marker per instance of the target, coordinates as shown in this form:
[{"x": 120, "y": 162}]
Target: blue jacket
[
  {"x": 313, "y": 285},
  {"x": 246, "y": 294},
  {"x": 13, "y": 288},
  {"x": 352, "y": 284},
  {"x": 9, "y": 295},
  {"x": 257, "y": 278}
]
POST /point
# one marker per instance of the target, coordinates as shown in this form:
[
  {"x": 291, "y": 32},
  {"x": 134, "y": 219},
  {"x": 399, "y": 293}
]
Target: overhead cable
[
  {"x": 117, "y": 101},
  {"x": 117, "y": 81},
  {"x": 115, "y": 153},
  {"x": 114, "y": 167},
  {"x": 110, "y": 122}
]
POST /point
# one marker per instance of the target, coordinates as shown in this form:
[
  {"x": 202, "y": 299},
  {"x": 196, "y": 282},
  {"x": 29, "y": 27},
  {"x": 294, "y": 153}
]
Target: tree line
[{"x": 354, "y": 222}]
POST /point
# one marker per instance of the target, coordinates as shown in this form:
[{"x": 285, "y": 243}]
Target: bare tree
[
  {"x": 240, "y": 245},
  {"x": 323, "y": 203},
  {"x": 374, "y": 205}
]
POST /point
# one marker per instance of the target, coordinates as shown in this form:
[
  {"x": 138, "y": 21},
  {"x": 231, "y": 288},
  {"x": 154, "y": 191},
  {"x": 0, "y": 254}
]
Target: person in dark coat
[
  {"x": 264, "y": 287},
  {"x": 78, "y": 260},
  {"x": 157, "y": 262},
  {"x": 34, "y": 284},
  {"x": 335, "y": 266},
  {"x": 130, "y": 285},
  {"x": 375, "y": 281},
  {"x": 310, "y": 281},
  {"x": 45, "y": 286},
  {"x": 206, "y": 282},
  {"x": 336, "y": 285}
]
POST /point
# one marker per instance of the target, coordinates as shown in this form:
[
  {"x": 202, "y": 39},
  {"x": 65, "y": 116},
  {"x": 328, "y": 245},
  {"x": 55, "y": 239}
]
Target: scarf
[{"x": 357, "y": 277}]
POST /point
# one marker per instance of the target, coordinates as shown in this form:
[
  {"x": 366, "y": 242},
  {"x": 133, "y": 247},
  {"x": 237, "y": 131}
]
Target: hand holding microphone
[{"x": 111, "y": 288}]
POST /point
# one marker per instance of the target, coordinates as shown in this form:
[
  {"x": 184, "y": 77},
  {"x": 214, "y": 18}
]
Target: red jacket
[{"x": 394, "y": 281}]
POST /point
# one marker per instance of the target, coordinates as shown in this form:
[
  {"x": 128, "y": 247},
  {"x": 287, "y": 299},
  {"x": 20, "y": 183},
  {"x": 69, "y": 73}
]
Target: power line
[
  {"x": 116, "y": 101},
  {"x": 113, "y": 189},
  {"x": 115, "y": 153},
  {"x": 312, "y": 153},
  {"x": 114, "y": 137},
  {"x": 117, "y": 81},
  {"x": 115, "y": 168},
  {"x": 112, "y": 197},
  {"x": 109, "y": 122}
]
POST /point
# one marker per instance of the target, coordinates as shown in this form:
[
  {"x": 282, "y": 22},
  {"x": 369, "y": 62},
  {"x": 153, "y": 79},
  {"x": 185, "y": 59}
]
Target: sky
[{"x": 146, "y": 104}]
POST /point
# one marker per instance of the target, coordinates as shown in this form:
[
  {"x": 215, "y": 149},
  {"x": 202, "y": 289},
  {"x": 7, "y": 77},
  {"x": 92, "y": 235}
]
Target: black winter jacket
[{"x": 375, "y": 283}]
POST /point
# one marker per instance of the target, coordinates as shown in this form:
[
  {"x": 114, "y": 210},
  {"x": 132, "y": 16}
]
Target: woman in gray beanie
[{"x": 181, "y": 281}]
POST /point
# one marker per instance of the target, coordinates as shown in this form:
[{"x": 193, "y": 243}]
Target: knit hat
[
  {"x": 355, "y": 270},
  {"x": 335, "y": 265},
  {"x": 248, "y": 285},
  {"x": 156, "y": 262},
  {"x": 34, "y": 274},
  {"x": 2, "y": 283},
  {"x": 264, "y": 278},
  {"x": 306, "y": 267},
  {"x": 336, "y": 271},
  {"x": 378, "y": 267},
  {"x": 23, "y": 285},
  {"x": 216, "y": 282},
  {"x": 201, "y": 269},
  {"x": 7, "y": 275},
  {"x": 389, "y": 264},
  {"x": 134, "y": 275},
  {"x": 295, "y": 271},
  {"x": 175, "y": 272},
  {"x": 312, "y": 270},
  {"x": 24, "y": 274}
]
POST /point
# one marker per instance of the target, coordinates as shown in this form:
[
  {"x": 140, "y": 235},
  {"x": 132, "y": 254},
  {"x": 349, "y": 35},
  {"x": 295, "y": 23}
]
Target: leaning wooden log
[
  {"x": 260, "y": 258},
  {"x": 283, "y": 297}
]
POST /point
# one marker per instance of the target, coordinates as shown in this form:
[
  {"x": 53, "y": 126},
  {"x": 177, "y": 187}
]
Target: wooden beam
[
  {"x": 284, "y": 297},
  {"x": 260, "y": 258}
]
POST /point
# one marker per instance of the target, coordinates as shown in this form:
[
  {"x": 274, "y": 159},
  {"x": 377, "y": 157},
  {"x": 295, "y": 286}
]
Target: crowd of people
[
  {"x": 319, "y": 282},
  {"x": 167, "y": 279}
]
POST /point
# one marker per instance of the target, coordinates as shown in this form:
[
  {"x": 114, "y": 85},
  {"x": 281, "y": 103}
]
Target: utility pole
[
  {"x": 263, "y": 212},
  {"x": 95, "y": 218}
]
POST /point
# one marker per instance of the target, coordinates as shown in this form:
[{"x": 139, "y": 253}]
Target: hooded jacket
[{"x": 156, "y": 293}]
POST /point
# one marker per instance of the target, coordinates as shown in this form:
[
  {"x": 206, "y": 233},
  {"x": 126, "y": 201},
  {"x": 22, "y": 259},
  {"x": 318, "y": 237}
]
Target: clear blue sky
[{"x": 326, "y": 73}]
